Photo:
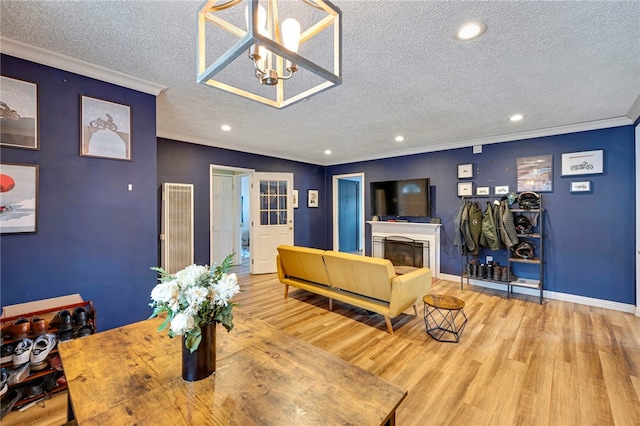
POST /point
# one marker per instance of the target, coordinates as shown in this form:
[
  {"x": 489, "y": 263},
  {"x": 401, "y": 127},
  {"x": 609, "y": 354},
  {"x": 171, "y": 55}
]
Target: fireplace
[{"x": 402, "y": 251}]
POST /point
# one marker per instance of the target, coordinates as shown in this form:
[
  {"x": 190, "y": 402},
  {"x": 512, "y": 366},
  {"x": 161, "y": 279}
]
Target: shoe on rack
[
  {"x": 19, "y": 329},
  {"x": 7, "y": 353},
  {"x": 85, "y": 330},
  {"x": 41, "y": 348},
  {"x": 10, "y": 400},
  {"x": 4, "y": 378},
  {"x": 18, "y": 374},
  {"x": 62, "y": 321},
  {"x": 22, "y": 353},
  {"x": 39, "y": 326},
  {"x": 80, "y": 317}
]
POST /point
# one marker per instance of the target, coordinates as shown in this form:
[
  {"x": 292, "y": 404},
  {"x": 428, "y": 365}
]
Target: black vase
[{"x": 201, "y": 363}]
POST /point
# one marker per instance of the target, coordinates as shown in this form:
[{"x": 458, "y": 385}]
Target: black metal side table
[{"x": 444, "y": 317}]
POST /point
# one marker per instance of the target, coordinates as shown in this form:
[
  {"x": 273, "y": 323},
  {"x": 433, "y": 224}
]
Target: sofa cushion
[
  {"x": 304, "y": 263},
  {"x": 363, "y": 275}
]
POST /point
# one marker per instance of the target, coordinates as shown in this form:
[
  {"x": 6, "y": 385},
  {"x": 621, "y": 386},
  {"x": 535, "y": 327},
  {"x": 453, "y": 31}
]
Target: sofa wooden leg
[
  {"x": 389, "y": 326},
  {"x": 286, "y": 290},
  {"x": 415, "y": 309},
  {"x": 331, "y": 304}
]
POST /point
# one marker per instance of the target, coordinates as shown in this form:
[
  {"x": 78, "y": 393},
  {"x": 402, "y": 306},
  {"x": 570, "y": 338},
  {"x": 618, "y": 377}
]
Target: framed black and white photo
[
  {"x": 582, "y": 186},
  {"x": 18, "y": 198},
  {"x": 465, "y": 189},
  {"x": 482, "y": 190},
  {"x": 465, "y": 171},
  {"x": 312, "y": 198},
  {"x": 535, "y": 173},
  {"x": 106, "y": 129},
  {"x": 295, "y": 198},
  {"x": 582, "y": 163},
  {"x": 501, "y": 190},
  {"x": 18, "y": 113}
]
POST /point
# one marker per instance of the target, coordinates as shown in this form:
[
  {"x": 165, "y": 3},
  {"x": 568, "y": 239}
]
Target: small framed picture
[
  {"x": 582, "y": 163},
  {"x": 465, "y": 171},
  {"x": 582, "y": 186},
  {"x": 106, "y": 129},
  {"x": 501, "y": 190},
  {"x": 465, "y": 189},
  {"x": 312, "y": 198},
  {"x": 482, "y": 190},
  {"x": 18, "y": 113},
  {"x": 295, "y": 198},
  {"x": 19, "y": 198}
]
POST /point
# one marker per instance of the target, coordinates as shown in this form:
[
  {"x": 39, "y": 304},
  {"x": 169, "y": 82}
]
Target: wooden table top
[
  {"x": 132, "y": 375},
  {"x": 443, "y": 301}
]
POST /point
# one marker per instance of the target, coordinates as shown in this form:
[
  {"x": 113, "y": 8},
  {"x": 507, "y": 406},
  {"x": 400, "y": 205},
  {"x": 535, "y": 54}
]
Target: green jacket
[{"x": 489, "y": 237}]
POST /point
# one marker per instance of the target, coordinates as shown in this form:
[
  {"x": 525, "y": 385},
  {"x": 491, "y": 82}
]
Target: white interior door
[
  {"x": 271, "y": 218},
  {"x": 223, "y": 235}
]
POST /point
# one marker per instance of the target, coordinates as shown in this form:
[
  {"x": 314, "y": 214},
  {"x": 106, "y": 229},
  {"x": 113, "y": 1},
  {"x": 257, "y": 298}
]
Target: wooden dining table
[{"x": 132, "y": 375}]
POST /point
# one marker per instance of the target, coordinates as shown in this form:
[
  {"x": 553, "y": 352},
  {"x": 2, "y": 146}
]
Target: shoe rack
[{"x": 49, "y": 378}]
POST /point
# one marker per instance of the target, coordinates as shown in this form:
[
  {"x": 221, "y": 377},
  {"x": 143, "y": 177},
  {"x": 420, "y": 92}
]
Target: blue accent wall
[
  {"x": 180, "y": 162},
  {"x": 590, "y": 238},
  {"x": 94, "y": 237}
]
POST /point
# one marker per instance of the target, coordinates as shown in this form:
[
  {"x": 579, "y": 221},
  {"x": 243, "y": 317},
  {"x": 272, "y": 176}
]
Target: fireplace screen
[{"x": 403, "y": 251}]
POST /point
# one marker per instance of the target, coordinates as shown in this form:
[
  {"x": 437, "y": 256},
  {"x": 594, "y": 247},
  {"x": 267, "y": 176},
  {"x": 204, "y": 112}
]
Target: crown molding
[
  {"x": 510, "y": 137},
  {"x": 57, "y": 60}
]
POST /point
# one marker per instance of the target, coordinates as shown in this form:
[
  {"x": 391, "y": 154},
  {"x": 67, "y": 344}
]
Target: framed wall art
[
  {"x": 295, "y": 198},
  {"x": 465, "y": 189},
  {"x": 535, "y": 173},
  {"x": 583, "y": 186},
  {"x": 18, "y": 113},
  {"x": 501, "y": 190},
  {"x": 582, "y": 163},
  {"x": 18, "y": 198},
  {"x": 312, "y": 198},
  {"x": 106, "y": 129},
  {"x": 465, "y": 171},
  {"x": 482, "y": 190}
]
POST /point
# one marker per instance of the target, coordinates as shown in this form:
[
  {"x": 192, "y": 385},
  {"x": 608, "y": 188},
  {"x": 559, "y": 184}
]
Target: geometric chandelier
[{"x": 256, "y": 44}]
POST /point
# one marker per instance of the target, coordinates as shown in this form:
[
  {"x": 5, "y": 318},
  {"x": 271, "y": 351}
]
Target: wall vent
[{"x": 176, "y": 238}]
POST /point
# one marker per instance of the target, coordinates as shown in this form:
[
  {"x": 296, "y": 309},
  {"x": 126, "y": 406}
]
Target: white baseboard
[{"x": 565, "y": 297}]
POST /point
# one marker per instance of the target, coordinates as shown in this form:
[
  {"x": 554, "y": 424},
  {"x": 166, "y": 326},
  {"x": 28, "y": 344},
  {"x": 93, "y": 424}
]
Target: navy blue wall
[
  {"x": 589, "y": 242},
  {"x": 180, "y": 162},
  {"x": 94, "y": 236}
]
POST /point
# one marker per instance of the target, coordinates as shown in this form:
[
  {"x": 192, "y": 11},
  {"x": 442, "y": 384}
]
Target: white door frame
[
  {"x": 237, "y": 173},
  {"x": 336, "y": 232}
]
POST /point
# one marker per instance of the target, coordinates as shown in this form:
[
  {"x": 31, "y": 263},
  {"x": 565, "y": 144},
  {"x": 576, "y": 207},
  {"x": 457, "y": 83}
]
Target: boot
[
  {"x": 497, "y": 273},
  {"x": 489, "y": 271},
  {"x": 467, "y": 269},
  {"x": 505, "y": 272},
  {"x": 482, "y": 271}
]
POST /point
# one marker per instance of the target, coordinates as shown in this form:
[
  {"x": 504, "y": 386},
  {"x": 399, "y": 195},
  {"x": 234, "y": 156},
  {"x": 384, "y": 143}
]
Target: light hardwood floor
[{"x": 518, "y": 362}]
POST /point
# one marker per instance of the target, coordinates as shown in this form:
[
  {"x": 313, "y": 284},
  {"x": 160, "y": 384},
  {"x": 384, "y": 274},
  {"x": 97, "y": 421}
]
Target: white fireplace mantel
[{"x": 417, "y": 231}]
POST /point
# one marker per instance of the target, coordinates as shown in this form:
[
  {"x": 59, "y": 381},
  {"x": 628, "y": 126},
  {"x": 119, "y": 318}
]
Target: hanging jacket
[
  {"x": 498, "y": 222},
  {"x": 465, "y": 228},
  {"x": 489, "y": 236},
  {"x": 508, "y": 233},
  {"x": 458, "y": 239},
  {"x": 475, "y": 225}
]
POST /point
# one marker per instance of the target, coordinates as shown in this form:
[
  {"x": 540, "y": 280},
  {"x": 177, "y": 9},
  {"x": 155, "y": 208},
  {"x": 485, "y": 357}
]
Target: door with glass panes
[{"x": 271, "y": 218}]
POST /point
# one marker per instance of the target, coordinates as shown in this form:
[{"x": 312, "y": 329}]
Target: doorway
[
  {"x": 348, "y": 213},
  {"x": 229, "y": 218}
]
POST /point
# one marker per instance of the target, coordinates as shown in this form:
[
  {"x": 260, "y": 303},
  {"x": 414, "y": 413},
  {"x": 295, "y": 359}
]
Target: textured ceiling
[{"x": 558, "y": 63}]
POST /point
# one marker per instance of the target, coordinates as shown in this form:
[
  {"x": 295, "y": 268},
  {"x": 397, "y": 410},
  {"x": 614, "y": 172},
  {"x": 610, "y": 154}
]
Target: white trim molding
[
  {"x": 67, "y": 63},
  {"x": 554, "y": 295}
]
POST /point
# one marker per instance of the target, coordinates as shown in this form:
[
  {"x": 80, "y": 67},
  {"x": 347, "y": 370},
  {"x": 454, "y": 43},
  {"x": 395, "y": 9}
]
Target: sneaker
[
  {"x": 4, "y": 377},
  {"x": 22, "y": 352},
  {"x": 17, "y": 375},
  {"x": 41, "y": 348},
  {"x": 10, "y": 400},
  {"x": 7, "y": 353}
]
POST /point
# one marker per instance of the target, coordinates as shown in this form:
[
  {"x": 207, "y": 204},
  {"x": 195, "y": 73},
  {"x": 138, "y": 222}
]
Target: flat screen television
[{"x": 401, "y": 198}]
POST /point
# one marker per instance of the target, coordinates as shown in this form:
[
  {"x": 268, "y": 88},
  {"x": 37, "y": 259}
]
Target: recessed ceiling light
[
  {"x": 470, "y": 30},
  {"x": 399, "y": 138},
  {"x": 225, "y": 127},
  {"x": 516, "y": 117},
  {"x": 327, "y": 151}
]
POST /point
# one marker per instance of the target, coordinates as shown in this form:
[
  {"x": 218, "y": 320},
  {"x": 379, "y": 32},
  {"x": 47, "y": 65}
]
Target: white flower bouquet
[{"x": 193, "y": 297}]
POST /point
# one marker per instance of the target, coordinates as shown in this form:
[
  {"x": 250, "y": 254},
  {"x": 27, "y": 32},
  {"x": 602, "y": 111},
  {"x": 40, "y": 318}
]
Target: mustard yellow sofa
[{"x": 366, "y": 282}]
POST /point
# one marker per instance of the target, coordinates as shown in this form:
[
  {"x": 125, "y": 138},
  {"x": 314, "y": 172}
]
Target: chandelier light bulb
[{"x": 291, "y": 34}]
